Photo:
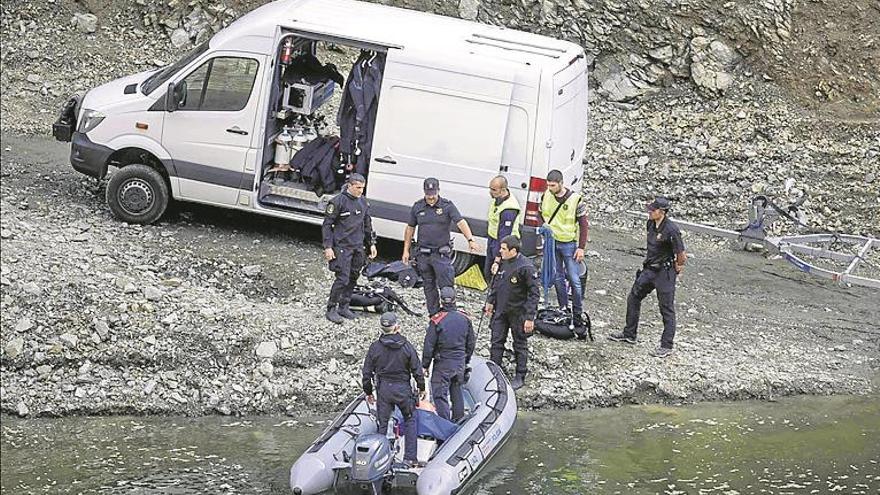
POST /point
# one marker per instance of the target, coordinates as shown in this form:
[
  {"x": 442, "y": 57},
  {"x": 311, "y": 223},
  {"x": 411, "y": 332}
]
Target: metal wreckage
[{"x": 825, "y": 254}]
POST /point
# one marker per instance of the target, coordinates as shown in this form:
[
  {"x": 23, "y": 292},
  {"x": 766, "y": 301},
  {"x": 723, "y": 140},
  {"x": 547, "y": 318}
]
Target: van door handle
[
  {"x": 386, "y": 159},
  {"x": 237, "y": 130}
]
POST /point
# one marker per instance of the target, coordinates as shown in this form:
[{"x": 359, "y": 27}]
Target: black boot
[
  {"x": 346, "y": 312},
  {"x": 333, "y": 315},
  {"x": 622, "y": 337},
  {"x": 518, "y": 382},
  {"x": 580, "y": 331}
]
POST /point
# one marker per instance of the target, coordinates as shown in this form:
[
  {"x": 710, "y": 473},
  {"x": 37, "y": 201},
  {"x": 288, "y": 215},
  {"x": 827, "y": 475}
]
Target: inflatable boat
[{"x": 350, "y": 456}]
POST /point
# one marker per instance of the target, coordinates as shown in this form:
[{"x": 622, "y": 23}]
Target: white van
[{"x": 459, "y": 100}]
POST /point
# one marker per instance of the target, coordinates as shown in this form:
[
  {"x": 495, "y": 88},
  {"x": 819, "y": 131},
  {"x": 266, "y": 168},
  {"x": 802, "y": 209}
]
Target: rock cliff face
[{"x": 820, "y": 51}]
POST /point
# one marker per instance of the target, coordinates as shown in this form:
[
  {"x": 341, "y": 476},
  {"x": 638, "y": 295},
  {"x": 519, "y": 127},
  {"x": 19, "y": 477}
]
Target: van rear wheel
[
  {"x": 461, "y": 262},
  {"x": 137, "y": 194}
]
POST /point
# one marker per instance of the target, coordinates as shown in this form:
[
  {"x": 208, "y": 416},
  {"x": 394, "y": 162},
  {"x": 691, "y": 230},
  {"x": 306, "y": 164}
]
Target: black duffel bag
[
  {"x": 396, "y": 271},
  {"x": 368, "y": 300},
  {"x": 556, "y": 323},
  {"x": 377, "y": 300}
]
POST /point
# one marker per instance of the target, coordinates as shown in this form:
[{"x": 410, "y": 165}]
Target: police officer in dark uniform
[
  {"x": 390, "y": 362},
  {"x": 434, "y": 216},
  {"x": 347, "y": 230},
  {"x": 449, "y": 343},
  {"x": 513, "y": 304},
  {"x": 664, "y": 260}
]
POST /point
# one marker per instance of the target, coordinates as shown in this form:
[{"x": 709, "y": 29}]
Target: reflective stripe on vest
[
  {"x": 565, "y": 225},
  {"x": 495, "y": 215}
]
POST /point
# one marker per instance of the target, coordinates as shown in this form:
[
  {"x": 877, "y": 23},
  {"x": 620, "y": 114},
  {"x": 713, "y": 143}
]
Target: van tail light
[{"x": 537, "y": 186}]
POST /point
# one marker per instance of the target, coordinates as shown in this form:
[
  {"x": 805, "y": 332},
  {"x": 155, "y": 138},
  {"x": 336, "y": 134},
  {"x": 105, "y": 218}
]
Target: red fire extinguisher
[{"x": 287, "y": 52}]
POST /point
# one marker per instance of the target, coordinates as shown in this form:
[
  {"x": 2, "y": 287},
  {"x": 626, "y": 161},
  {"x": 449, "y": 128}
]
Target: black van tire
[
  {"x": 461, "y": 262},
  {"x": 137, "y": 194}
]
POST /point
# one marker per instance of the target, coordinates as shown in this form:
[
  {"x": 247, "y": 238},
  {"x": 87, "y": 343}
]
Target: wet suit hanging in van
[{"x": 357, "y": 113}]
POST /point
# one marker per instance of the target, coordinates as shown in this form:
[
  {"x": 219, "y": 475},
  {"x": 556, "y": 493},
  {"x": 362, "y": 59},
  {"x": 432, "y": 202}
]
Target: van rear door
[
  {"x": 568, "y": 128},
  {"x": 211, "y": 133}
]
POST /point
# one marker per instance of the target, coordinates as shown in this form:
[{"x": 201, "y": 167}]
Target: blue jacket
[{"x": 391, "y": 359}]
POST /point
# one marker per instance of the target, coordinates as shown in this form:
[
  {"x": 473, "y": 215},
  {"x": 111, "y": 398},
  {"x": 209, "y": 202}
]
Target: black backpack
[{"x": 557, "y": 323}]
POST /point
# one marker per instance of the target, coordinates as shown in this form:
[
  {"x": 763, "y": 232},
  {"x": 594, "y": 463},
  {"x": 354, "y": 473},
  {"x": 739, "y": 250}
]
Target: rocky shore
[{"x": 213, "y": 312}]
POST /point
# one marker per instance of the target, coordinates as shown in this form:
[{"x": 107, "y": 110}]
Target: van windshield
[{"x": 159, "y": 77}]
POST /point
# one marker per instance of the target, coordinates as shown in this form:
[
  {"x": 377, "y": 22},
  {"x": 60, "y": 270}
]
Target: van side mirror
[
  {"x": 170, "y": 99},
  {"x": 175, "y": 96}
]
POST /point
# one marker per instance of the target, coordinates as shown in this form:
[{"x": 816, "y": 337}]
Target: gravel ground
[{"x": 212, "y": 311}]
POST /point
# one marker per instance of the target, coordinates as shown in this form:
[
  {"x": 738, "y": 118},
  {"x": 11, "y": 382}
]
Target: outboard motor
[{"x": 371, "y": 461}]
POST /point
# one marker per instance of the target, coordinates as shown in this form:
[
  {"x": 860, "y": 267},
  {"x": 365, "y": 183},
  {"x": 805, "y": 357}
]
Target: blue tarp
[
  {"x": 548, "y": 262},
  {"x": 429, "y": 424}
]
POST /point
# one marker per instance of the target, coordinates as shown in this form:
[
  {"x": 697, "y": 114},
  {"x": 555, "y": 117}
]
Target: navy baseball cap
[
  {"x": 447, "y": 294},
  {"x": 659, "y": 203},
  {"x": 388, "y": 320},
  {"x": 431, "y": 185}
]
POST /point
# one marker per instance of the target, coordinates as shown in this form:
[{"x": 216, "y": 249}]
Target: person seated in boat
[
  {"x": 390, "y": 362},
  {"x": 449, "y": 343}
]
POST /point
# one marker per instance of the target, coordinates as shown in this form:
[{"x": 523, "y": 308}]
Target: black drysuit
[
  {"x": 317, "y": 163},
  {"x": 357, "y": 112}
]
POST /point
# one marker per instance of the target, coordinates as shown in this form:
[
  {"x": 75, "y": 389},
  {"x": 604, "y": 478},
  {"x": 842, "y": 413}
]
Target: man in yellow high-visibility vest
[
  {"x": 565, "y": 214},
  {"x": 505, "y": 216}
]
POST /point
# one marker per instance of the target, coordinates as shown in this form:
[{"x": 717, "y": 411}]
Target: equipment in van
[
  {"x": 307, "y": 69},
  {"x": 308, "y": 83},
  {"x": 299, "y": 139},
  {"x": 317, "y": 163},
  {"x": 283, "y": 151},
  {"x": 286, "y": 52},
  {"x": 307, "y": 98},
  {"x": 350, "y": 455}
]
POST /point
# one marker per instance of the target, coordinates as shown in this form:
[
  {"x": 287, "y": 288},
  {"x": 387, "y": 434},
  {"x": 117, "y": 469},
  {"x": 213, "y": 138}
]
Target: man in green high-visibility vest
[
  {"x": 565, "y": 214},
  {"x": 505, "y": 217}
]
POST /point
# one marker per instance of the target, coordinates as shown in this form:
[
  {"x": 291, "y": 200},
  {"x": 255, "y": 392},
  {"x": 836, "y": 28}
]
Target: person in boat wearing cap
[
  {"x": 449, "y": 343},
  {"x": 565, "y": 215},
  {"x": 664, "y": 261},
  {"x": 390, "y": 362},
  {"x": 347, "y": 231},
  {"x": 513, "y": 304},
  {"x": 434, "y": 217}
]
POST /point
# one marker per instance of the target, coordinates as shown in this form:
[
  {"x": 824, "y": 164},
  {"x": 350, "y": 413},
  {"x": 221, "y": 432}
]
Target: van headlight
[{"x": 89, "y": 120}]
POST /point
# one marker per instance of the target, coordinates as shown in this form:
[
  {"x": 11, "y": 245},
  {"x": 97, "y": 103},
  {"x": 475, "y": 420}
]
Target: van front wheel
[
  {"x": 137, "y": 194},
  {"x": 461, "y": 262}
]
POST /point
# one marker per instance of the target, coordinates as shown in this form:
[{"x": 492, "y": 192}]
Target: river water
[{"x": 796, "y": 445}]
